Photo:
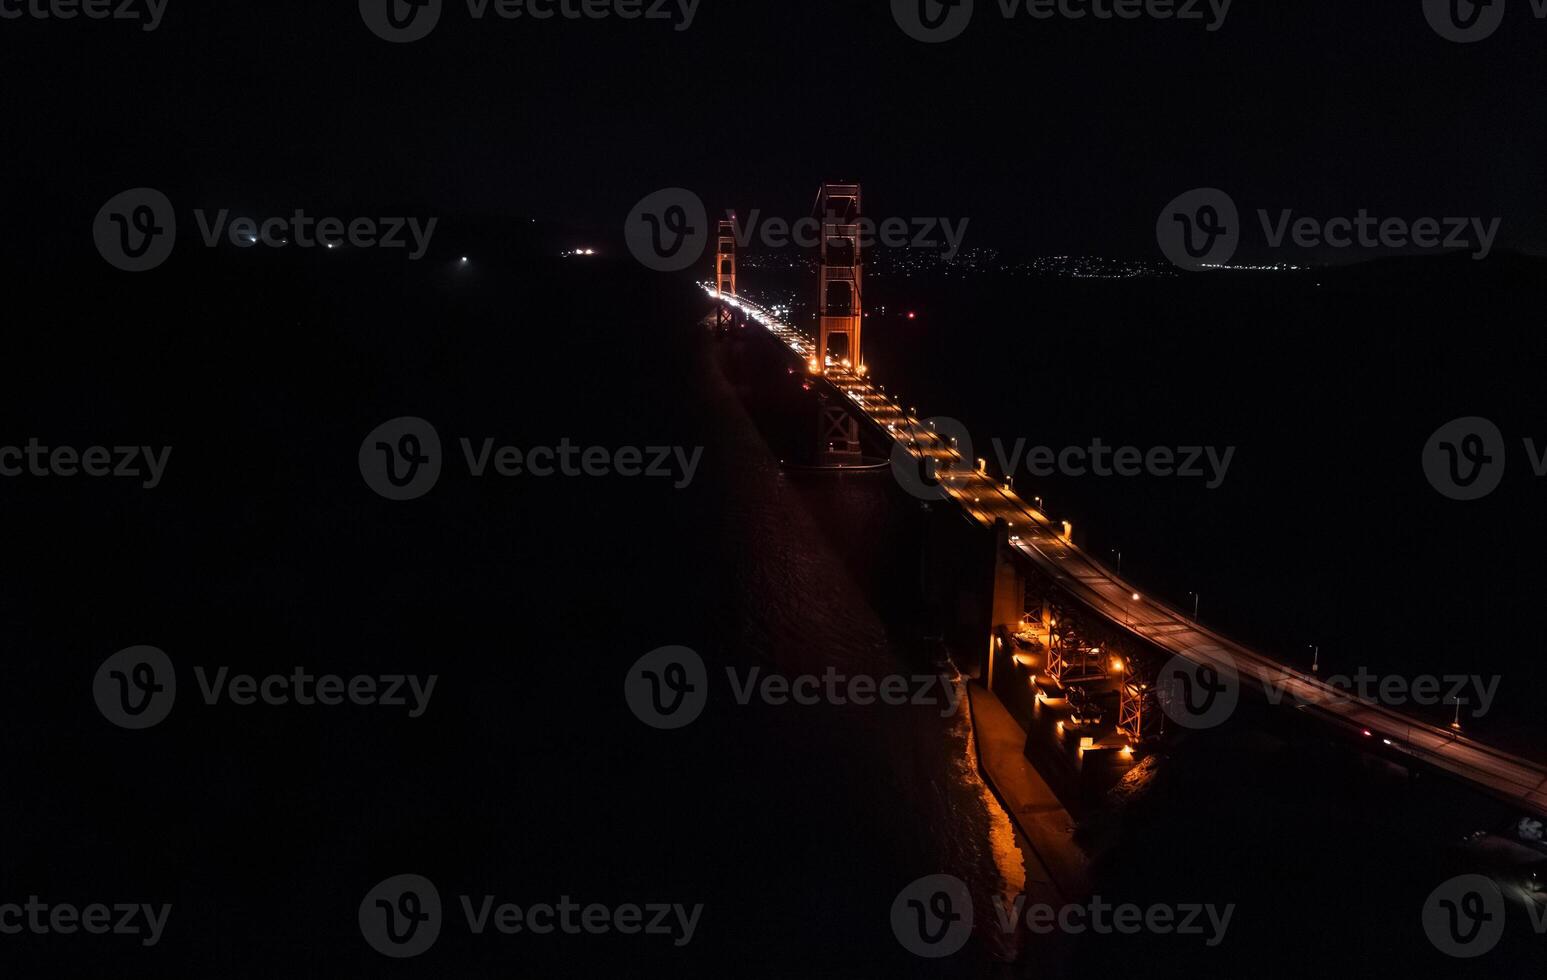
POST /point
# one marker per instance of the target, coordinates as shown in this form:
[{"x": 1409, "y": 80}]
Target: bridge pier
[{"x": 838, "y": 442}]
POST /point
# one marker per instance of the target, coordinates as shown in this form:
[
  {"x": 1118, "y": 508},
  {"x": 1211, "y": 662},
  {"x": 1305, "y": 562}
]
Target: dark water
[{"x": 529, "y": 778}]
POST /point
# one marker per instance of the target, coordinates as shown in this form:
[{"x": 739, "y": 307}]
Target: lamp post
[
  {"x": 1194, "y": 606},
  {"x": 1315, "y": 658},
  {"x": 1119, "y": 555},
  {"x": 1457, "y": 723}
]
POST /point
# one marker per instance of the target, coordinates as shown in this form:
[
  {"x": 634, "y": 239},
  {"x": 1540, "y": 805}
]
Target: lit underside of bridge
[{"x": 1499, "y": 773}]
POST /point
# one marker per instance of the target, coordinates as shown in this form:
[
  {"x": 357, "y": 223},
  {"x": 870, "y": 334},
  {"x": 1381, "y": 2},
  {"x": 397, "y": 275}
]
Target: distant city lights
[{"x": 1277, "y": 267}]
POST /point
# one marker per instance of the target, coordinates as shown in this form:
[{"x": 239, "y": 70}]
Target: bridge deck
[{"x": 1506, "y": 776}]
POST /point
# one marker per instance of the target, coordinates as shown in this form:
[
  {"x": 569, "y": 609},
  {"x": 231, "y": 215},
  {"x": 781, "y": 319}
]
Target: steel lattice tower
[{"x": 839, "y": 309}]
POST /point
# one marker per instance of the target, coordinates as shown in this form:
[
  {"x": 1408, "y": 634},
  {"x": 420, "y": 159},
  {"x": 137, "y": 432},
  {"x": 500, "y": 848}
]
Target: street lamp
[
  {"x": 1194, "y": 606},
  {"x": 1119, "y": 555},
  {"x": 1457, "y": 723},
  {"x": 1315, "y": 658},
  {"x": 1135, "y": 598}
]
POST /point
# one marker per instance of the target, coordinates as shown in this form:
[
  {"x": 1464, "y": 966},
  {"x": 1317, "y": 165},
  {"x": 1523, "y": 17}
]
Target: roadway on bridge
[{"x": 1031, "y": 533}]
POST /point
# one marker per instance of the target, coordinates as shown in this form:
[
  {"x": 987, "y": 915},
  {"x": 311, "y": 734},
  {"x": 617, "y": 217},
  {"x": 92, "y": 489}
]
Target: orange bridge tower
[
  {"x": 839, "y": 310},
  {"x": 725, "y": 270}
]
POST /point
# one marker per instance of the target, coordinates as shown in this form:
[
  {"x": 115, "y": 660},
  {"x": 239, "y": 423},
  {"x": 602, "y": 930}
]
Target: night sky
[{"x": 1053, "y": 136}]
